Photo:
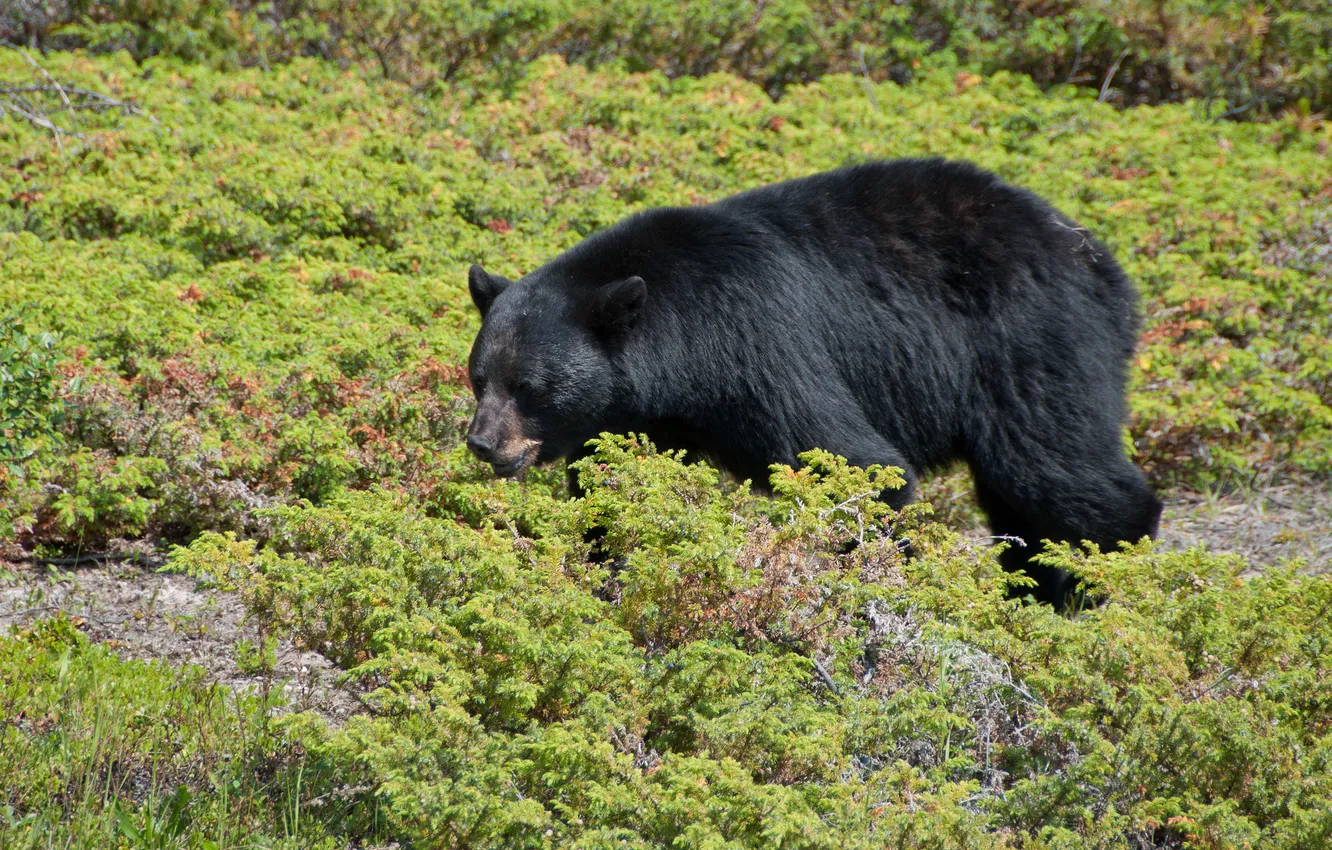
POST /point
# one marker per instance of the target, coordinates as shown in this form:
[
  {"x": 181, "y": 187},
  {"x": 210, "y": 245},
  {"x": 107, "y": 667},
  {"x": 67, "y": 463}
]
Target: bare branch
[
  {"x": 17, "y": 99},
  {"x": 52, "y": 80},
  {"x": 91, "y": 558},
  {"x": 869, "y": 84},
  {"x": 41, "y": 121},
  {"x": 825, "y": 677},
  {"x": 1105, "y": 86}
]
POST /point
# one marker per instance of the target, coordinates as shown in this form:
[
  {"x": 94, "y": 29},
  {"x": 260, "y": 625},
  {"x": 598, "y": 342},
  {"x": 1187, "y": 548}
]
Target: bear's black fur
[{"x": 904, "y": 313}]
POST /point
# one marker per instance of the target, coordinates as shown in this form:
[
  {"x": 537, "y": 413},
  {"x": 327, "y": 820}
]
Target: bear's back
[
  {"x": 839, "y": 252},
  {"x": 934, "y": 230},
  {"x": 912, "y": 211}
]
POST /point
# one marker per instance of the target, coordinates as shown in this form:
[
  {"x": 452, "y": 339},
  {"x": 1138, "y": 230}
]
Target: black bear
[{"x": 904, "y": 313}]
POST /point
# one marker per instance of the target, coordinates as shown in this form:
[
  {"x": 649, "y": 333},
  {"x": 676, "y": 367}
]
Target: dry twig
[{"x": 23, "y": 100}]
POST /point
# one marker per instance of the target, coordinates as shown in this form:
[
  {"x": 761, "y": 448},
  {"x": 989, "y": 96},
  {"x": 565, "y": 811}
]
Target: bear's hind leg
[
  {"x": 1103, "y": 500},
  {"x": 1022, "y": 539}
]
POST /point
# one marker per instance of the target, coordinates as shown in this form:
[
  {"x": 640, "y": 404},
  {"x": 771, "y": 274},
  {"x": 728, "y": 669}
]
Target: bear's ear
[
  {"x": 615, "y": 306},
  {"x": 485, "y": 288}
]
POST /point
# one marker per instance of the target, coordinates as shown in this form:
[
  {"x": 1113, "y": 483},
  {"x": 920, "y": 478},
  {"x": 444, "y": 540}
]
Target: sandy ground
[{"x": 149, "y": 615}]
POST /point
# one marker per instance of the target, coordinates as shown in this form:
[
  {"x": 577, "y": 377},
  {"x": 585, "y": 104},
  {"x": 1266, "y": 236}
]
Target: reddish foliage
[
  {"x": 181, "y": 388},
  {"x": 432, "y": 374},
  {"x": 580, "y": 139},
  {"x": 1127, "y": 173},
  {"x": 242, "y": 390},
  {"x": 345, "y": 281},
  {"x": 1173, "y": 330},
  {"x": 588, "y": 178},
  {"x": 965, "y": 80},
  {"x": 366, "y": 435}
]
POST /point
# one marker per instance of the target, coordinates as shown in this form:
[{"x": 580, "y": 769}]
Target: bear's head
[{"x": 543, "y": 365}]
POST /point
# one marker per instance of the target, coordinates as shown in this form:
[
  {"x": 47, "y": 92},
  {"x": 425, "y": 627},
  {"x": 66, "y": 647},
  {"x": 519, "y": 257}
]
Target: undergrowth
[
  {"x": 99, "y": 752},
  {"x": 259, "y": 292},
  {"x": 723, "y": 670},
  {"x": 1247, "y": 59},
  {"x": 734, "y": 670}
]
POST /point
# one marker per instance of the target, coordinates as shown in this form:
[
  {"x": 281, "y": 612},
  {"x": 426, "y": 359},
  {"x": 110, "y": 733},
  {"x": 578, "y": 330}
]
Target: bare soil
[
  {"x": 148, "y": 615},
  {"x": 1267, "y": 526}
]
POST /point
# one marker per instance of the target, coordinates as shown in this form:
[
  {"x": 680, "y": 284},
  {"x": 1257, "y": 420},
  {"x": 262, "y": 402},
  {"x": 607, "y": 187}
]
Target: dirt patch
[
  {"x": 147, "y": 615},
  {"x": 1267, "y": 526}
]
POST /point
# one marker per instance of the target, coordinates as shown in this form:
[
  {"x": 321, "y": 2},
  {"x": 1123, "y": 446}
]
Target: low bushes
[
  {"x": 733, "y": 670},
  {"x": 261, "y": 296},
  {"x": 1254, "y": 59}
]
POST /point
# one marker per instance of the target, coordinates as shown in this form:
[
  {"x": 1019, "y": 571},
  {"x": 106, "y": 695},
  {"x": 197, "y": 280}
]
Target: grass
[{"x": 100, "y": 752}]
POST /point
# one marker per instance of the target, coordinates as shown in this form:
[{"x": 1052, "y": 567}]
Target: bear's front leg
[{"x": 870, "y": 448}]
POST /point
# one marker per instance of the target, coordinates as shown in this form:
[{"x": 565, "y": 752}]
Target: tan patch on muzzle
[
  {"x": 497, "y": 422},
  {"x": 524, "y": 451}
]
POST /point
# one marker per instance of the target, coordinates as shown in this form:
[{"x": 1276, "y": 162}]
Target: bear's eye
[{"x": 530, "y": 387}]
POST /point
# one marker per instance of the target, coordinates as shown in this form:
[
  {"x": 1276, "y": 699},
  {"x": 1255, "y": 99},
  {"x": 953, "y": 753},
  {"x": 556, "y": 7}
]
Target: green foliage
[
  {"x": 262, "y": 320},
  {"x": 96, "y": 751},
  {"x": 30, "y": 418},
  {"x": 736, "y": 671},
  {"x": 263, "y": 291},
  {"x": 28, "y": 407},
  {"x": 1253, "y": 57},
  {"x": 101, "y": 496}
]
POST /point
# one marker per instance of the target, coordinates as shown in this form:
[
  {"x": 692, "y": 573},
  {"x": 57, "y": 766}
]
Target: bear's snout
[
  {"x": 480, "y": 446},
  {"x": 496, "y": 437}
]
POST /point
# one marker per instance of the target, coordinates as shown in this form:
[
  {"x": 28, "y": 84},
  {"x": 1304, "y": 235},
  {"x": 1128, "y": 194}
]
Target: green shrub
[
  {"x": 100, "y": 496},
  {"x": 736, "y": 671},
  {"x": 29, "y": 410},
  {"x": 1246, "y": 59},
  {"x": 1253, "y": 59},
  {"x": 272, "y": 318},
  {"x": 30, "y": 419},
  {"x": 258, "y": 288}
]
